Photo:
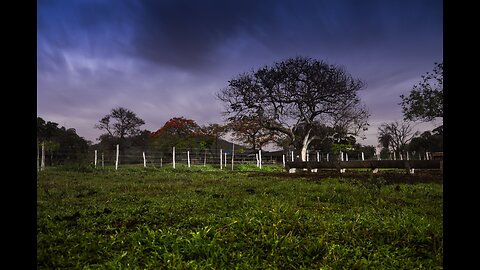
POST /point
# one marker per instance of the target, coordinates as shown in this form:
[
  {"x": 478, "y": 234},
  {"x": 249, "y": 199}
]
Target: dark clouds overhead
[{"x": 162, "y": 58}]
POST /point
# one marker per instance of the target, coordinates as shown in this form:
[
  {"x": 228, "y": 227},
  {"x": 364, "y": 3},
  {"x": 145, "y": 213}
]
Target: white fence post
[
  {"x": 258, "y": 161},
  {"x": 308, "y": 156},
  {"x": 225, "y": 163},
  {"x": 173, "y": 157},
  {"x": 221, "y": 159},
  {"x": 318, "y": 156},
  {"x": 233, "y": 153},
  {"x": 95, "y": 159},
  {"x": 346, "y": 156},
  {"x": 293, "y": 158},
  {"x": 188, "y": 158},
  {"x": 328, "y": 157},
  {"x": 283, "y": 159},
  {"x": 42, "y": 164},
  {"x": 260, "y": 158},
  {"x": 144, "y": 160},
  {"x": 363, "y": 156},
  {"x": 116, "y": 158}
]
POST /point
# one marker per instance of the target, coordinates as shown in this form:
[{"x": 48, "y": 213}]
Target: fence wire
[{"x": 199, "y": 156}]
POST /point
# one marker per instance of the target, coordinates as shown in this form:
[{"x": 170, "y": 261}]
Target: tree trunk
[{"x": 305, "y": 142}]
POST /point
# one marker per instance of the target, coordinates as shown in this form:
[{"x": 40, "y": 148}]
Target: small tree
[{"x": 121, "y": 123}]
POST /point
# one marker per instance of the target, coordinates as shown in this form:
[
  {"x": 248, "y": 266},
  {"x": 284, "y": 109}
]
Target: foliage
[
  {"x": 180, "y": 132},
  {"x": 178, "y": 127},
  {"x": 248, "y": 130},
  {"x": 428, "y": 141},
  {"x": 395, "y": 135},
  {"x": 61, "y": 145},
  {"x": 120, "y": 123},
  {"x": 143, "y": 218},
  {"x": 425, "y": 101},
  {"x": 297, "y": 93},
  {"x": 213, "y": 133}
]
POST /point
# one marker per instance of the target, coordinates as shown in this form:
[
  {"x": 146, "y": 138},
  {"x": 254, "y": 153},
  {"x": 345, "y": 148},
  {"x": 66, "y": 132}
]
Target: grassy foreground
[{"x": 146, "y": 218}]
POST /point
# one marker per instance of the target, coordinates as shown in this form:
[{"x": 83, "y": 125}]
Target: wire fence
[{"x": 221, "y": 158}]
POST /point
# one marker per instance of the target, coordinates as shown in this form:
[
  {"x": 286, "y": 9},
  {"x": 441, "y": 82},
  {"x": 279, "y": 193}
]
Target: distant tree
[
  {"x": 120, "y": 123},
  {"x": 212, "y": 133},
  {"x": 249, "y": 131},
  {"x": 428, "y": 141},
  {"x": 178, "y": 126},
  {"x": 297, "y": 92},
  {"x": 396, "y": 136},
  {"x": 369, "y": 151},
  {"x": 178, "y": 132},
  {"x": 425, "y": 101},
  {"x": 61, "y": 145}
]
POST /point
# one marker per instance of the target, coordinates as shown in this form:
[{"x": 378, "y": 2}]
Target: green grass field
[{"x": 204, "y": 218}]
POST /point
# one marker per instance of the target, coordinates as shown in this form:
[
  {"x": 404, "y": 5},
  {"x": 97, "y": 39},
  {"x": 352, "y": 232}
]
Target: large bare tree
[
  {"x": 396, "y": 135},
  {"x": 298, "y": 92}
]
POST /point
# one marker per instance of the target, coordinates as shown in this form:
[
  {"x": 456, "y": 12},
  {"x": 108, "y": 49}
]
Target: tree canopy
[
  {"x": 62, "y": 145},
  {"x": 249, "y": 131},
  {"x": 121, "y": 123},
  {"x": 425, "y": 101},
  {"x": 396, "y": 135},
  {"x": 181, "y": 132},
  {"x": 297, "y": 93}
]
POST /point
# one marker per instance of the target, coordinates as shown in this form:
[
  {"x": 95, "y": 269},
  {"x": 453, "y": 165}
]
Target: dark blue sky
[{"x": 163, "y": 59}]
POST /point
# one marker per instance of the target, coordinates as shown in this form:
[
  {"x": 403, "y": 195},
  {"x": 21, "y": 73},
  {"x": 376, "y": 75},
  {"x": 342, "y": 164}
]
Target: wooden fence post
[
  {"x": 116, "y": 158},
  {"x": 221, "y": 159},
  {"x": 144, "y": 160},
  {"x": 233, "y": 153},
  {"x": 42, "y": 162},
  {"x": 260, "y": 158}
]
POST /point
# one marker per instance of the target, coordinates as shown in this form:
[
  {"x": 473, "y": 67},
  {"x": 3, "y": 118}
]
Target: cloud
[{"x": 167, "y": 58}]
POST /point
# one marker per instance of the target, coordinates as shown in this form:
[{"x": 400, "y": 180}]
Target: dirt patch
[{"x": 420, "y": 176}]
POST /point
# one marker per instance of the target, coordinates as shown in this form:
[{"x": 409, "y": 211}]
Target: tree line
[{"x": 298, "y": 104}]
